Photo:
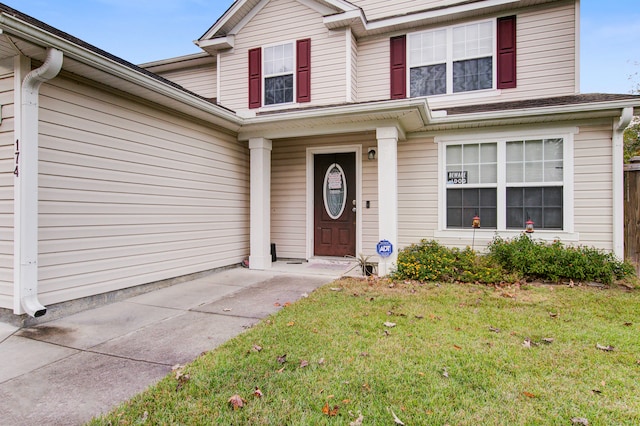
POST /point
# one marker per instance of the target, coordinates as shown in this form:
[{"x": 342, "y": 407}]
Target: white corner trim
[{"x": 348, "y": 65}]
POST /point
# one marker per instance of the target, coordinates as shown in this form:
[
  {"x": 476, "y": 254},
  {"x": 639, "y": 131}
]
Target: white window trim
[
  {"x": 294, "y": 72},
  {"x": 567, "y": 134},
  {"x": 449, "y": 60}
]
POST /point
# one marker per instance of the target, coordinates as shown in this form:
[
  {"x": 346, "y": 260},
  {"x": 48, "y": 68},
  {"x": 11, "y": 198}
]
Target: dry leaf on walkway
[
  {"x": 236, "y": 402},
  {"x": 607, "y": 348}
]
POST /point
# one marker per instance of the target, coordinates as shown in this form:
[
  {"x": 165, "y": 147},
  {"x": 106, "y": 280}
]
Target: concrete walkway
[{"x": 67, "y": 371}]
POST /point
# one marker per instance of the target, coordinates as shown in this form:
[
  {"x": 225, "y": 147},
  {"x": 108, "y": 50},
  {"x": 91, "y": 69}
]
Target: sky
[{"x": 142, "y": 31}]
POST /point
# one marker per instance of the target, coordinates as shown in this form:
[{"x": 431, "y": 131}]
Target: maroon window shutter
[
  {"x": 255, "y": 78},
  {"x": 303, "y": 70},
  {"x": 398, "y": 67},
  {"x": 506, "y": 52}
]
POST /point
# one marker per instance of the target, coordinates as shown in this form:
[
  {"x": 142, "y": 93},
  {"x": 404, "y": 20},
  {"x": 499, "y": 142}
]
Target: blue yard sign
[{"x": 384, "y": 248}]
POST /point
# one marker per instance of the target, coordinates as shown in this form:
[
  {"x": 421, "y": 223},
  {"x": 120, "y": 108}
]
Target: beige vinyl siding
[
  {"x": 373, "y": 69},
  {"x": 293, "y": 21},
  {"x": 7, "y": 165},
  {"x": 546, "y": 62},
  {"x": 593, "y": 185},
  {"x": 417, "y": 190},
  {"x": 130, "y": 194},
  {"x": 289, "y": 196},
  {"x": 200, "y": 80},
  {"x": 376, "y": 9}
]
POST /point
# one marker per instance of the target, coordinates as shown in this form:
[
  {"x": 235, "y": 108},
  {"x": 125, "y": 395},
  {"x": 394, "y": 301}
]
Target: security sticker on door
[{"x": 384, "y": 248}]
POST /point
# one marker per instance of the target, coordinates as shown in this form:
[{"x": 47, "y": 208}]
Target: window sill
[
  {"x": 489, "y": 234},
  {"x": 464, "y": 96},
  {"x": 277, "y": 107}
]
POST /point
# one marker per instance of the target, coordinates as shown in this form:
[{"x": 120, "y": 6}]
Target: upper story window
[
  {"x": 280, "y": 74},
  {"x": 456, "y": 59},
  {"x": 451, "y": 60}
]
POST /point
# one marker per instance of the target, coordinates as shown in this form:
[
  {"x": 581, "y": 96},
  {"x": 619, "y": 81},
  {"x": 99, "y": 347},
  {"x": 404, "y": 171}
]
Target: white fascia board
[
  {"x": 223, "y": 19},
  {"x": 179, "y": 62},
  {"x": 41, "y": 37},
  {"x": 218, "y": 43},
  {"x": 352, "y": 109},
  {"x": 613, "y": 106},
  {"x": 378, "y": 25}
]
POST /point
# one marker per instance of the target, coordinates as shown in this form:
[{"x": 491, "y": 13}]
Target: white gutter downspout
[
  {"x": 27, "y": 185},
  {"x": 618, "y": 180}
]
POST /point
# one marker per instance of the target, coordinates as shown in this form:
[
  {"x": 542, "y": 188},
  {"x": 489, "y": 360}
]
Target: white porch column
[
  {"x": 388, "y": 194},
  {"x": 260, "y": 192}
]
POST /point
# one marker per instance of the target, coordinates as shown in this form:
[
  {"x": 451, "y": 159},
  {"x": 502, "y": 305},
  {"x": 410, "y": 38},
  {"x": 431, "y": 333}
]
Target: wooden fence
[{"x": 632, "y": 212}]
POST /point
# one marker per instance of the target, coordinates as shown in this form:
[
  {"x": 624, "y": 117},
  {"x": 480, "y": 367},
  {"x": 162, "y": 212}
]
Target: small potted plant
[{"x": 367, "y": 268}]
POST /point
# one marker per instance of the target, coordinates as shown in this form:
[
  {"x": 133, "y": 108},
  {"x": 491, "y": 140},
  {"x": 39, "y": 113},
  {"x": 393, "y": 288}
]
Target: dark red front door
[{"x": 334, "y": 204}]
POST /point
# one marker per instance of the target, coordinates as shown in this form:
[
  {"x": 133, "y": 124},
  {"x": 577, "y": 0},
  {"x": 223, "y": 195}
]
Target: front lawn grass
[{"x": 458, "y": 354}]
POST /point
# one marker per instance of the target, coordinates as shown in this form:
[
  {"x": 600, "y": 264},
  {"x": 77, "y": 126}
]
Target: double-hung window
[
  {"x": 452, "y": 60},
  {"x": 506, "y": 182},
  {"x": 278, "y": 74}
]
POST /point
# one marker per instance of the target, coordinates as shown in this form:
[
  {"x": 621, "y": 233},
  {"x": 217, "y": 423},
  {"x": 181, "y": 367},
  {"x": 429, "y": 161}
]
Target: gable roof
[{"x": 339, "y": 14}]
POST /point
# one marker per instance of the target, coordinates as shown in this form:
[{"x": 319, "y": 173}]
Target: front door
[{"x": 335, "y": 204}]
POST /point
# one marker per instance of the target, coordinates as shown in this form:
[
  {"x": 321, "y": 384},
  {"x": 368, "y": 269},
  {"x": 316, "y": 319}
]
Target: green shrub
[
  {"x": 555, "y": 261},
  {"x": 508, "y": 261},
  {"x": 430, "y": 261}
]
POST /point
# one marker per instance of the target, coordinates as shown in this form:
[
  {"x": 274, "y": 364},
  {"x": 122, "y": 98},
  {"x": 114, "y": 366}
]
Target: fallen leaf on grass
[
  {"x": 445, "y": 373},
  {"x": 304, "y": 363},
  {"x": 282, "y": 359},
  {"x": 580, "y": 421},
  {"x": 358, "y": 421},
  {"x": 456, "y": 347},
  {"x": 607, "y": 348},
  {"x": 547, "y": 340},
  {"x": 495, "y": 330},
  {"x": 528, "y": 394},
  {"x": 596, "y": 391},
  {"x": 389, "y": 324},
  {"x": 527, "y": 343},
  {"x": 628, "y": 324},
  {"x": 321, "y": 361},
  {"x": 281, "y": 370},
  {"x": 291, "y": 323},
  {"x": 258, "y": 393},
  {"x": 553, "y": 315},
  {"x": 330, "y": 411},
  {"x": 336, "y": 289},
  {"x": 236, "y": 402},
  {"x": 396, "y": 419},
  {"x": 257, "y": 348}
]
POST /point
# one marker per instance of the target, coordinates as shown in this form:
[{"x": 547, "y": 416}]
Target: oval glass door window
[{"x": 335, "y": 191}]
